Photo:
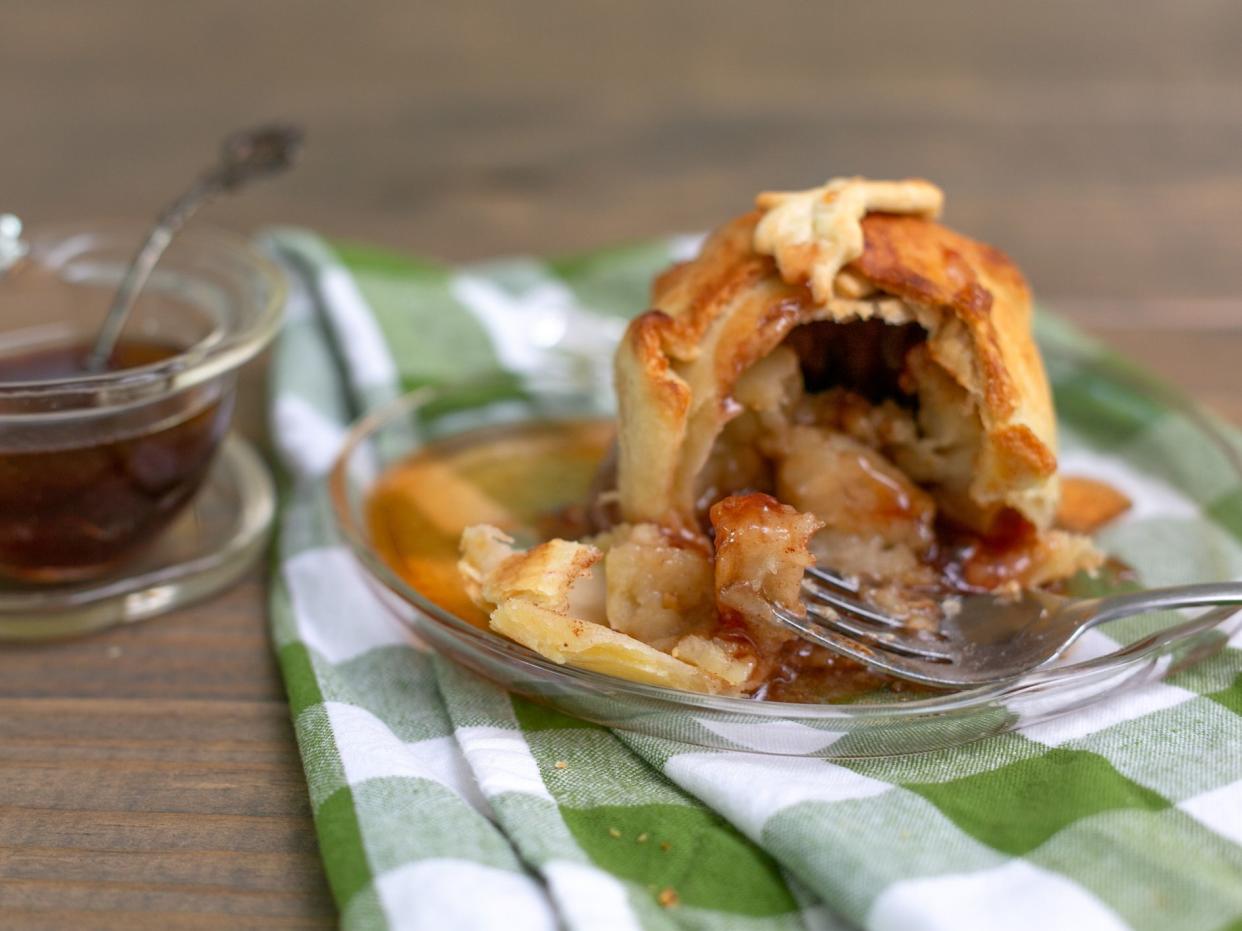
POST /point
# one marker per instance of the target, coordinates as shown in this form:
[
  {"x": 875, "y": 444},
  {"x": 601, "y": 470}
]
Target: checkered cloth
[{"x": 442, "y": 802}]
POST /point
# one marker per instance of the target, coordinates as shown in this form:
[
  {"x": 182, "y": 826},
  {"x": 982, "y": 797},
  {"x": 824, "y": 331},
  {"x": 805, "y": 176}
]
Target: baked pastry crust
[
  {"x": 757, "y": 279},
  {"x": 872, "y": 369}
]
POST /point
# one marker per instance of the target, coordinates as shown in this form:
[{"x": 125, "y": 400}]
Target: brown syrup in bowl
[{"x": 84, "y": 504}]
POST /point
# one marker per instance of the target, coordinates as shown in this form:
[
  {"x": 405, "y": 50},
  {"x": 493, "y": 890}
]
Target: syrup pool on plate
[{"x": 532, "y": 481}]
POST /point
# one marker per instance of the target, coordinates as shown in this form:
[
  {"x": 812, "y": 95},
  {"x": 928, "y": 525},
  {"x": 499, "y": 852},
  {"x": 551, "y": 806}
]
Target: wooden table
[{"x": 148, "y": 777}]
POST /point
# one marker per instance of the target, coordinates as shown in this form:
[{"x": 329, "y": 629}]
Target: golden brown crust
[
  {"x": 813, "y": 233},
  {"x": 533, "y": 598},
  {"x": 723, "y": 311},
  {"x": 674, "y": 371},
  {"x": 912, "y": 392},
  {"x": 1088, "y": 504},
  {"x": 648, "y": 390},
  {"x": 926, "y": 263}
]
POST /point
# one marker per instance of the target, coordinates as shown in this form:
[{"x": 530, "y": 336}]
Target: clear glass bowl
[
  {"x": 94, "y": 466},
  {"x": 1141, "y": 650},
  {"x": 217, "y": 538}
]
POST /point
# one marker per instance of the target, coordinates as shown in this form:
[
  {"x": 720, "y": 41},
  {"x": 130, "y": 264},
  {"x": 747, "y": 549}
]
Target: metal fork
[{"x": 983, "y": 638}]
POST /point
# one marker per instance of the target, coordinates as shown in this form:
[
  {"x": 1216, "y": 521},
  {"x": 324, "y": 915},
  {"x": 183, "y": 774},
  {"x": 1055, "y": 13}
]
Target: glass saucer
[{"x": 216, "y": 539}]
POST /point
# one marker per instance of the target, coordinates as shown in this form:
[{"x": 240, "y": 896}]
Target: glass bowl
[
  {"x": 216, "y": 539},
  {"x": 94, "y": 466},
  {"x": 1132, "y": 652}
]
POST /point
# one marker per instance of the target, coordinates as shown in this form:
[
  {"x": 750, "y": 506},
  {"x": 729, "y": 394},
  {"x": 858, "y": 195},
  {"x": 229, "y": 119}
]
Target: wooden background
[{"x": 148, "y": 777}]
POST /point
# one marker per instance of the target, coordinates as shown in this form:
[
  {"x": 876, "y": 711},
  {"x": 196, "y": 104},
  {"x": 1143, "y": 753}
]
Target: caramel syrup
[
  {"x": 522, "y": 478},
  {"x": 531, "y": 480},
  {"x": 73, "y": 511}
]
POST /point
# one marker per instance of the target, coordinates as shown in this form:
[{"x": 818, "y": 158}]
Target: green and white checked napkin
[{"x": 442, "y": 802}]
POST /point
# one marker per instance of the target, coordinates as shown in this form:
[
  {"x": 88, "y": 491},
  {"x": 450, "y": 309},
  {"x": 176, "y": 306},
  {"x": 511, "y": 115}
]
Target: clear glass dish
[
  {"x": 93, "y": 467},
  {"x": 1099, "y": 389},
  {"x": 217, "y": 538}
]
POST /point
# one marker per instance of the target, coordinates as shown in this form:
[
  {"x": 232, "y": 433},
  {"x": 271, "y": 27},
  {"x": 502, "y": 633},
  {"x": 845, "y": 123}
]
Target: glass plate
[
  {"x": 222, "y": 531},
  {"x": 1116, "y": 424}
]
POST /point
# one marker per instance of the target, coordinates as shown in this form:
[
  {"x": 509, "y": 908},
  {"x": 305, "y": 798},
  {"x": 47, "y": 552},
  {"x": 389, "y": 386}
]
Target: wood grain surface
[{"x": 148, "y": 776}]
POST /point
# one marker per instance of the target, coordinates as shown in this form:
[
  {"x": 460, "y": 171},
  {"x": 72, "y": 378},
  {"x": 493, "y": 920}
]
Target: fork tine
[
  {"x": 904, "y": 666},
  {"x": 848, "y": 605},
  {"x": 880, "y": 638},
  {"x": 844, "y": 582}
]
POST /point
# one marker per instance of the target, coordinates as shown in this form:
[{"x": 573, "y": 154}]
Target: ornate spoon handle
[{"x": 244, "y": 156}]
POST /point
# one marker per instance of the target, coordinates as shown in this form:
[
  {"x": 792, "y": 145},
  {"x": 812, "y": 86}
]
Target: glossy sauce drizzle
[
  {"x": 531, "y": 481},
  {"x": 519, "y": 478}
]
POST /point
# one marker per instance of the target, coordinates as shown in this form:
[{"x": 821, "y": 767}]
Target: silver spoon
[{"x": 244, "y": 156}]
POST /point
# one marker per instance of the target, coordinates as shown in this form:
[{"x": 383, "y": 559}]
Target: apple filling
[
  {"x": 858, "y": 461},
  {"x": 835, "y": 379}
]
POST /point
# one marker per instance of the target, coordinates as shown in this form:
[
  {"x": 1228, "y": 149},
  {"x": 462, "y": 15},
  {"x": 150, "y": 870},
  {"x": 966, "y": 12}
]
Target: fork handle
[{"x": 1098, "y": 611}]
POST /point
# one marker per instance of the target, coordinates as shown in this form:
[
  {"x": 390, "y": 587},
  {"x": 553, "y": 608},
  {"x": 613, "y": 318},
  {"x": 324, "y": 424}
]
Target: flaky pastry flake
[
  {"x": 813, "y": 234},
  {"x": 551, "y": 599}
]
